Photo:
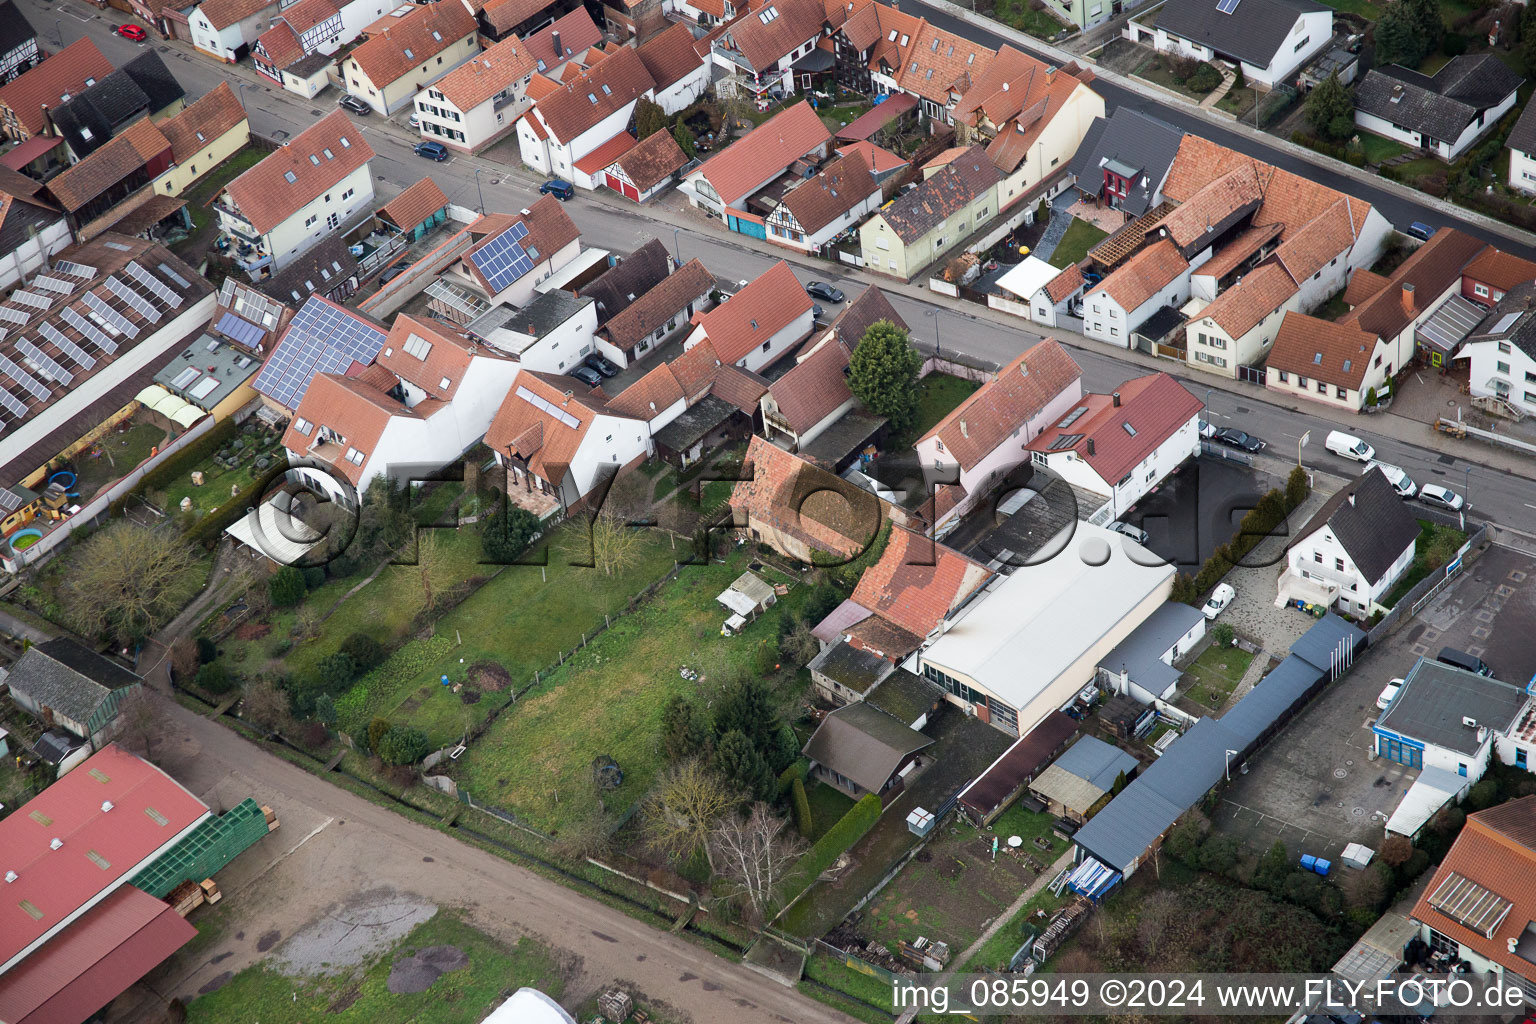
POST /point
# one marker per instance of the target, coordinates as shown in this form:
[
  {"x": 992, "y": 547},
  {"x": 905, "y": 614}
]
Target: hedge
[
  {"x": 799, "y": 768},
  {"x": 850, "y": 828},
  {"x": 1337, "y": 150},
  {"x": 1258, "y": 524},
  {"x": 802, "y": 807}
]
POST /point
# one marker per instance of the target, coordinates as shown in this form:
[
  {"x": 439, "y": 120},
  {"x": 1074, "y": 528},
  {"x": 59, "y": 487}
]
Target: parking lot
[{"x": 1315, "y": 786}]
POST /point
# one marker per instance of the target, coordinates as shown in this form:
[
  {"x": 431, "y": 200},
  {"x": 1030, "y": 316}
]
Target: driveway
[{"x": 1198, "y": 508}]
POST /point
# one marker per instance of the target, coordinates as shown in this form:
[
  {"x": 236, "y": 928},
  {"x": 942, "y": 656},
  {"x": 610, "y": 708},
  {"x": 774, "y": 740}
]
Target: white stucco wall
[{"x": 1490, "y": 363}]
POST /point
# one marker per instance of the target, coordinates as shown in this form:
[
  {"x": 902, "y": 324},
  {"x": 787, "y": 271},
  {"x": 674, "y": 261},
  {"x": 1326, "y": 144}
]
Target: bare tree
[
  {"x": 130, "y": 580},
  {"x": 430, "y": 559},
  {"x": 754, "y": 854},
  {"x": 684, "y": 808},
  {"x": 140, "y": 723},
  {"x": 588, "y": 835},
  {"x": 800, "y": 645},
  {"x": 265, "y": 705},
  {"x": 615, "y": 544},
  {"x": 184, "y": 659}
]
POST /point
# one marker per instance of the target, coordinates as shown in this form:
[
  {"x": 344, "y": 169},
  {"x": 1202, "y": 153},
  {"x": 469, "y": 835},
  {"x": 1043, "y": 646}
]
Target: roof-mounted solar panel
[{"x": 46, "y": 364}]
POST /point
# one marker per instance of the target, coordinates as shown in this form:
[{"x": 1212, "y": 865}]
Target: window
[
  {"x": 1322, "y": 388},
  {"x": 1461, "y": 768},
  {"x": 355, "y": 457},
  {"x": 333, "y": 222},
  {"x": 1502, "y": 367},
  {"x": 444, "y": 384},
  {"x": 1301, "y": 381},
  {"x": 1338, "y": 563},
  {"x": 1480, "y": 289},
  {"x": 1305, "y": 40},
  {"x": 1284, "y": 377},
  {"x": 1520, "y": 757},
  {"x": 348, "y": 194},
  {"x": 1504, "y": 347},
  {"x": 1317, "y": 556},
  {"x": 1114, "y": 332},
  {"x": 310, "y": 220}
]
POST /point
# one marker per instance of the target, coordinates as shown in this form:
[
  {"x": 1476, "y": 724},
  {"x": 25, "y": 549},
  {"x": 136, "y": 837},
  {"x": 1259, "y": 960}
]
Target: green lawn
[
  {"x": 995, "y": 953},
  {"x": 1239, "y": 102},
  {"x": 607, "y": 700},
  {"x": 1019, "y": 821},
  {"x": 1449, "y": 540},
  {"x": 1074, "y": 245},
  {"x": 1210, "y": 680},
  {"x": 217, "y": 480},
  {"x": 205, "y": 188},
  {"x": 1364, "y": 8},
  {"x": 1378, "y": 149},
  {"x": 937, "y": 396},
  {"x": 1333, "y": 309},
  {"x": 1159, "y": 71},
  {"x": 114, "y": 455},
  {"x": 1022, "y": 15},
  {"x": 827, "y": 806},
  {"x": 464, "y": 996}
]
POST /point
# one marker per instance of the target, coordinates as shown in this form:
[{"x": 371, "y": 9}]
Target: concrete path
[
  {"x": 1228, "y": 79},
  {"x": 1061, "y": 219}
]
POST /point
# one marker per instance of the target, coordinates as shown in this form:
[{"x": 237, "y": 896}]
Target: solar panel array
[
  {"x": 1226, "y": 6},
  {"x": 154, "y": 285},
  {"x": 91, "y": 332},
  {"x": 171, "y": 275},
  {"x": 237, "y": 329},
  {"x": 75, "y": 269},
  {"x": 502, "y": 259},
  {"x": 15, "y": 316},
  {"x": 10, "y": 501},
  {"x": 544, "y": 405},
  {"x": 142, "y": 306},
  {"x": 68, "y": 347},
  {"x": 16, "y": 373},
  {"x": 32, "y": 299},
  {"x": 13, "y": 405},
  {"x": 46, "y": 364},
  {"x": 53, "y": 284},
  {"x": 321, "y": 339},
  {"x": 121, "y": 323},
  {"x": 119, "y": 246}
]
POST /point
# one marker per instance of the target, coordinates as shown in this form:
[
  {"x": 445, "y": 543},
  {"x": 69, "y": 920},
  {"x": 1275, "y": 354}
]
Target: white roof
[
  {"x": 1032, "y": 625},
  {"x": 1432, "y": 790},
  {"x": 584, "y": 261},
  {"x": 274, "y": 532},
  {"x": 1028, "y": 277},
  {"x": 529, "y": 1006}
]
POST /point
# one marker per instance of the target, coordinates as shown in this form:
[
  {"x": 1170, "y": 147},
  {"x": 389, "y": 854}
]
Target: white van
[
  {"x": 1401, "y": 482},
  {"x": 1349, "y": 446}
]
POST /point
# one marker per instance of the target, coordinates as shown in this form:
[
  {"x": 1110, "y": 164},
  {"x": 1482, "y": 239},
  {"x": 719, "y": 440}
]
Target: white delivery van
[
  {"x": 1349, "y": 446},
  {"x": 1401, "y": 482}
]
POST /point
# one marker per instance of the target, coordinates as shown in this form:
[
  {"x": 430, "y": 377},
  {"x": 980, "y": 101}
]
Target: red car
[{"x": 133, "y": 32}]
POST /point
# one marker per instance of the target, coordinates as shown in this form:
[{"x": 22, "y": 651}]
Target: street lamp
[
  {"x": 1466, "y": 487},
  {"x": 1229, "y": 764},
  {"x": 677, "y": 250},
  {"x": 240, "y": 88},
  {"x": 58, "y": 28},
  {"x": 937, "y": 347},
  {"x": 477, "y": 190}
]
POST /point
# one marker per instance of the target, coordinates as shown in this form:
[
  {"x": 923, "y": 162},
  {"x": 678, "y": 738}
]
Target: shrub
[
  {"x": 286, "y": 587},
  {"x": 337, "y": 671},
  {"x": 507, "y": 533},
  {"x": 1222, "y": 635},
  {"x": 314, "y": 577},
  {"x": 215, "y": 678},
  {"x": 1182, "y": 68},
  {"x": 801, "y": 805},
  {"x": 1204, "y": 79},
  {"x": 314, "y": 735},
  {"x": 1297, "y": 487},
  {"x": 796, "y": 770},
  {"x": 366, "y": 652},
  {"x": 404, "y": 744},
  {"x": 376, "y": 730},
  {"x": 325, "y": 709},
  {"x": 1483, "y": 795},
  {"x": 207, "y": 650},
  {"x": 847, "y": 830}
]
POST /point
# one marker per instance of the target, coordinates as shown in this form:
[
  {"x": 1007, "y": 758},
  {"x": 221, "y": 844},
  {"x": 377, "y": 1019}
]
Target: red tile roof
[
  {"x": 1020, "y": 391},
  {"x": 880, "y": 160},
  {"x": 1064, "y": 283},
  {"x": 917, "y": 582},
  {"x": 504, "y": 17},
  {"x": 548, "y": 443},
  {"x": 487, "y": 73},
  {"x": 877, "y": 117},
  {"x": 755, "y": 314},
  {"x": 583, "y": 103},
  {"x": 940, "y": 63},
  {"x": 95, "y": 960},
  {"x": 772, "y": 30},
  {"x": 578, "y": 33},
  {"x": 58, "y": 883},
  {"x": 670, "y": 56},
  {"x": 1240, "y": 308},
  {"x": 549, "y": 228},
  {"x": 415, "y": 204},
  {"x": 1332, "y": 233},
  {"x": 1211, "y": 208},
  {"x": 837, "y": 188},
  {"x": 665, "y": 301},
  {"x": 1363, "y": 284},
  {"x": 128, "y": 151},
  {"x": 652, "y": 161},
  {"x": 1496, "y": 850},
  {"x": 224, "y": 13},
  {"x": 607, "y": 154},
  {"x": 449, "y": 356},
  {"x": 1154, "y": 406},
  {"x": 742, "y": 388},
  {"x": 1430, "y": 270},
  {"x": 1335, "y": 353},
  {"x": 280, "y": 46},
  {"x": 765, "y": 152},
  {"x": 67, "y": 73},
  {"x": 1501, "y": 270},
  {"x": 357, "y": 410},
  {"x": 814, "y": 388},
  {"x": 265, "y": 195},
  {"x": 1143, "y": 275},
  {"x": 306, "y": 14},
  {"x": 206, "y": 120},
  {"x": 425, "y": 32},
  {"x": 813, "y": 508}
]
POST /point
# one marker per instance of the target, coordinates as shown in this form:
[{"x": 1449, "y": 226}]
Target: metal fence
[{"x": 1217, "y": 451}]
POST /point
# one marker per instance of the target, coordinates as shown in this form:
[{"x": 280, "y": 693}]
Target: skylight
[
  {"x": 345, "y": 144},
  {"x": 1129, "y": 429},
  {"x": 409, "y": 54},
  {"x": 289, "y": 177},
  {"x": 314, "y": 160}
]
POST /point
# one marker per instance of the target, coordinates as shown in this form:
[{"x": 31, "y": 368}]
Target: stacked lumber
[
  {"x": 211, "y": 891},
  {"x": 186, "y": 897},
  {"x": 271, "y": 817}
]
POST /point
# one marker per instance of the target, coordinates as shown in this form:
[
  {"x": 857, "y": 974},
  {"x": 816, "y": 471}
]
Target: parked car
[
  {"x": 1388, "y": 692},
  {"x": 133, "y": 32},
  {"x": 432, "y": 151},
  {"x": 1349, "y": 446},
  {"x": 586, "y": 375},
  {"x": 1441, "y": 497},
  {"x": 1418, "y": 229},
  {"x": 1136, "y": 533},
  {"x": 1463, "y": 660},
  {"x": 561, "y": 190},
  {"x": 1234, "y": 438},
  {"x": 353, "y": 104},
  {"x": 1207, "y": 431},
  {"x": 390, "y": 273},
  {"x": 602, "y": 365},
  {"x": 825, "y": 292},
  {"x": 1401, "y": 482},
  {"x": 415, "y": 123},
  {"x": 1220, "y": 598}
]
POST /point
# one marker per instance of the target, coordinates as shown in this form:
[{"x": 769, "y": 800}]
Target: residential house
[
  {"x": 883, "y": 164},
  {"x": 1032, "y": 118},
  {"x": 655, "y": 316},
  {"x": 204, "y": 135},
  {"x": 1239, "y": 327},
  {"x": 1342, "y": 362},
  {"x": 866, "y": 309},
  {"x": 114, "y": 180},
  {"x": 321, "y": 337},
  {"x": 704, "y": 13},
  {"x": 647, "y": 170},
  {"x": 502, "y": 18},
  {"x": 1038, "y": 291},
  {"x": 1442, "y": 114},
  {"x": 316, "y": 185},
  {"x": 63, "y": 684},
  {"x": 1477, "y": 907},
  {"x": 694, "y": 403},
  {"x": 987, "y": 435},
  {"x": 844, "y": 674},
  {"x": 511, "y": 255},
  {"x": 279, "y": 55},
  {"x": 1124, "y": 159},
  {"x": 406, "y": 51},
  {"x": 1083, "y": 778},
  {"x": 759, "y": 49},
  {"x": 32, "y": 228},
  {"x": 227, "y": 29},
  {"x": 1155, "y": 277},
  {"x": 211, "y": 376},
  {"x": 144, "y": 87},
  {"x": 479, "y": 102},
  {"x": 430, "y": 395},
  {"x": 917, "y": 229},
  {"x": 1270, "y": 40},
  {"x": 938, "y": 68},
  {"x": 1493, "y": 274},
  {"x": 26, "y": 99},
  {"x": 1059, "y": 616},
  {"x": 1501, "y": 352},
  {"x": 559, "y": 441},
  {"x": 859, "y": 749},
  {"x": 723, "y": 183},
  {"x": 628, "y": 278},
  {"x": 810, "y": 397},
  {"x": 568, "y": 40},
  {"x": 1447, "y": 719},
  {"x": 801, "y": 510},
  {"x": 1354, "y": 549},
  {"x": 295, "y": 51},
  {"x": 817, "y": 211},
  {"x": 18, "y": 43},
  {"x": 679, "y": 73},
  {"x": 552, "y": 333},
  {"x": 326, "y": 268},
  {"x": 1521, "y": 144},
  {"x": 635, "y": 20},
  {"x": 759, "y": 324},
  {"x": 861, "y": 47},
  {"x": 580, "y": 129},
  {"x": 1141, "y": 667}
]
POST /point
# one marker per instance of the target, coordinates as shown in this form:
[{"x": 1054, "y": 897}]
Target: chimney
[
  {"x": 1408, "y": 304},
  {"x": 555, "y": 38},
  {"x": 533, "y": 331},
  {"x": 1090, "y": 447},
  {"x": 1023, "y": 369},
  {"x": 1116, "y": 399}
]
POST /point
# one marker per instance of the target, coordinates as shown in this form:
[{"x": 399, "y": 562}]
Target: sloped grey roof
[
  {"x": 864, "y": 744},
  {"x": 1436, "y": 697},
  {"x": 854, "y": 667},
  {"x": 624, "y": 282},
  {"x": 1519, "y": 331},
  {"x": 1370, "y": 520},
  {"x": 1141, "y": 654},
  {"x": 1443, "y": 105},
  {"x": 904, "y": 696},
  {"x": 941, "y": 196},
  {"x": 64, "y": 676},
  {"x": 1254, "y": 31},
  {"x": 1318, "y": 644},
  {"x": 14, "y": 28},
  {"x": 1523, "y": 135},
  {"x": 142, "y": 86},
  {"x": 1096, "y": 762},
  {"x": 1134, "y": 139}
]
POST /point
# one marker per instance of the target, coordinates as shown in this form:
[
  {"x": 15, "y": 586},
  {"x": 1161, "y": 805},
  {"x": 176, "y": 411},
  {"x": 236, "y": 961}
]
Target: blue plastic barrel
[
  {"x": 1308, "y": 862},
  {"x": 1321, "y": 866}
]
